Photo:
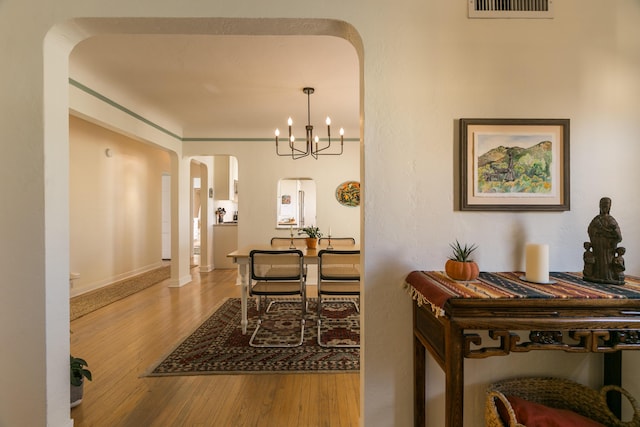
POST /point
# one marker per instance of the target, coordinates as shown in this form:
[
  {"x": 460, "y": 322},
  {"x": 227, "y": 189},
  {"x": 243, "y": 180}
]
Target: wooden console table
[{"x": 570, "y": 315}]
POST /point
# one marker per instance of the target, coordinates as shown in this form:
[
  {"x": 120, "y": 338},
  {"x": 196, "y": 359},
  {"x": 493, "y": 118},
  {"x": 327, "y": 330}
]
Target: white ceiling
[{"x": 231, "y": 86}]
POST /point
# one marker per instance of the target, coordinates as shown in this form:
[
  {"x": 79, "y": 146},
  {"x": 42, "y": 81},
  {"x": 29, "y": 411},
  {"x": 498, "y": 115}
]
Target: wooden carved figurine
[{"x": 603, "y": 261}]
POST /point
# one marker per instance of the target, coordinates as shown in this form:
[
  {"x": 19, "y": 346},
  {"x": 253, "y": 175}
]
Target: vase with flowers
[{"x": 313, "y": 234}]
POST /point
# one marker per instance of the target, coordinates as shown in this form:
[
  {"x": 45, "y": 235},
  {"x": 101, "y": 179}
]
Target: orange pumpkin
[{"x": 461, "y": 270}]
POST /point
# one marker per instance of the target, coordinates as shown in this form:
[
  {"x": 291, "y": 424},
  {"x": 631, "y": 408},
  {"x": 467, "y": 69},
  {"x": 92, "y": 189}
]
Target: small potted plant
[
  {"x": 459, "y": 266},
  {"x": 78, "y": 374},
  {"x": 313, "y": 234}
]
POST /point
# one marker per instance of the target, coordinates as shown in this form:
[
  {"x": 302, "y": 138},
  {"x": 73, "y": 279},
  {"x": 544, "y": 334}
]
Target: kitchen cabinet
[
  {"x": 225, "y": 170},
  {"x": 225, "y": 240}
]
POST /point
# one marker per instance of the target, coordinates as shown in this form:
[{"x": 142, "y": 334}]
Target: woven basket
[{"x": 557, "y": 393}]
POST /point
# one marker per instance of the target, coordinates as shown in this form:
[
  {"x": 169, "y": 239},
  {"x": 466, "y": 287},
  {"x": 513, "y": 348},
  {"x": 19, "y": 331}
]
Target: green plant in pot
[
  {"x": 313, "y": 234},
  {"x": 78, "y": 373},
  {"x": 459, "y": 266}
]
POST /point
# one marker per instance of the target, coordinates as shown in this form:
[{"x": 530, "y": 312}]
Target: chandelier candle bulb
[{"x": 537, "y": 263}]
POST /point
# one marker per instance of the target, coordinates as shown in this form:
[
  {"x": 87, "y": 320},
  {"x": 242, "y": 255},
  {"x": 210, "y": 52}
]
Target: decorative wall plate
[{"x": 348, "y": 193}]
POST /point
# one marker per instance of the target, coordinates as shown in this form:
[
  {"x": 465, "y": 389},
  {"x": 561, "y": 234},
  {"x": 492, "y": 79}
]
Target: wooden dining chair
[
  {"x": 299, "y": 242},
  {"x": 338, "y": 241},
  {"x": 338, "y": 276},
  {"x": 277, "y": 273}
]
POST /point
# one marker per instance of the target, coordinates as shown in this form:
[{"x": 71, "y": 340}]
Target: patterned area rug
[{"x": 219, "y": 347}]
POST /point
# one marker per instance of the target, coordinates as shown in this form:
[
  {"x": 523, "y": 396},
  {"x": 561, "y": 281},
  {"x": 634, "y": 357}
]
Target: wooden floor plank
[{"x": 124, "y": 339}]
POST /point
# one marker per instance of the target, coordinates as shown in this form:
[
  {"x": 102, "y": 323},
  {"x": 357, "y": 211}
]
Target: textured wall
[{"x": 425, "y": 65}]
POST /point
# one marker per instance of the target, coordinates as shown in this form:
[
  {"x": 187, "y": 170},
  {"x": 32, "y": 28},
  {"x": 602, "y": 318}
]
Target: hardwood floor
[{"x": 123, "y": 340}]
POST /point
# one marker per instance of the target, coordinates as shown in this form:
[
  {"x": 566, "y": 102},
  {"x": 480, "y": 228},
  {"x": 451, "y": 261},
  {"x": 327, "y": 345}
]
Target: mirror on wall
[{"x": 296, "y": 204}]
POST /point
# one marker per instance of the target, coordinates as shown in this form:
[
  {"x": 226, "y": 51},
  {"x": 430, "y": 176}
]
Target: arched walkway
[{"x": 57, "y": 47}]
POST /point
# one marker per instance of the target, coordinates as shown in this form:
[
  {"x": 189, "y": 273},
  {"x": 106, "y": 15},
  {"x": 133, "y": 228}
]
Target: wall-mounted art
[
  {"x": 348, "y": 193},
  {"x": 514, "y": 164}
]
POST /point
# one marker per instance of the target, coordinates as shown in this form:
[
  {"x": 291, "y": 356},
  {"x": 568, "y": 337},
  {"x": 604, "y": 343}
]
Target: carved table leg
[
  {"x": 613, "y": 376},
  {"x": 419, "y": 378},
  {"x": 454, "y": 374}
]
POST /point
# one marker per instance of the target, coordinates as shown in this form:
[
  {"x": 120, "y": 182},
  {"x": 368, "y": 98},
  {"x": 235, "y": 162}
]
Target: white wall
[
  {"x": 437, "y": 67},
  {"x": 259, "y": 172},
  {"x": 425, "y": 65},
  {"x": 114, "y": 205}
]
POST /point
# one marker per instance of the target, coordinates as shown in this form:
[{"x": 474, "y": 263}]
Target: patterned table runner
[{"x": 435, "y": 288}]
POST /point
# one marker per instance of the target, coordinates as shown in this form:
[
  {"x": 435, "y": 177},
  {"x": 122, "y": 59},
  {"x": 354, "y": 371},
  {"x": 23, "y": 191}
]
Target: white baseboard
[
  {"x": 111, "y": 280},
  {"x": 205, "y": 268},
  {"x": 180, "y": 282}
]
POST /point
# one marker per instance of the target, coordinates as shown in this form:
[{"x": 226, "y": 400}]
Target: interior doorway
[
  {"x": 196, "y": 211},
  {"x": 57, "y": 84}
]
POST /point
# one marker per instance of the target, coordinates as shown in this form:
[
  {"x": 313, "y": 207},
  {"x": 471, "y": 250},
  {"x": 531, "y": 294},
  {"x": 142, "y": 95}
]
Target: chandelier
[{"x": 311, "y": 145}]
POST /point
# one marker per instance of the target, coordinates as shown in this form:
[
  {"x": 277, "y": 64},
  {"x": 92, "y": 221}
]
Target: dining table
[{"x": 241, "y": 257}]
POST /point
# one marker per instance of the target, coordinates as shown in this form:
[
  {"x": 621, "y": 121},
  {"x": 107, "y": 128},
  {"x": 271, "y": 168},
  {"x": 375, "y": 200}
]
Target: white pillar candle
[{"x": 537, "y": 263}]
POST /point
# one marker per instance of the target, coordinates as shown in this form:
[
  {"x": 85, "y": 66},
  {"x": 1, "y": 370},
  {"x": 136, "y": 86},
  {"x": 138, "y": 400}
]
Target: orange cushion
[{"x": 533, "y": 414}]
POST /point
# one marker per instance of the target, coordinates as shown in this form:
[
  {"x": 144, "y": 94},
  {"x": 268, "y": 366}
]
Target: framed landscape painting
[{"x": 514, "y": 164}]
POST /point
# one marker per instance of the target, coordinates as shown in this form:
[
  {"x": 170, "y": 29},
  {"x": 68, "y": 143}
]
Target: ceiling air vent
[{"x": 510, "y": 8}]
